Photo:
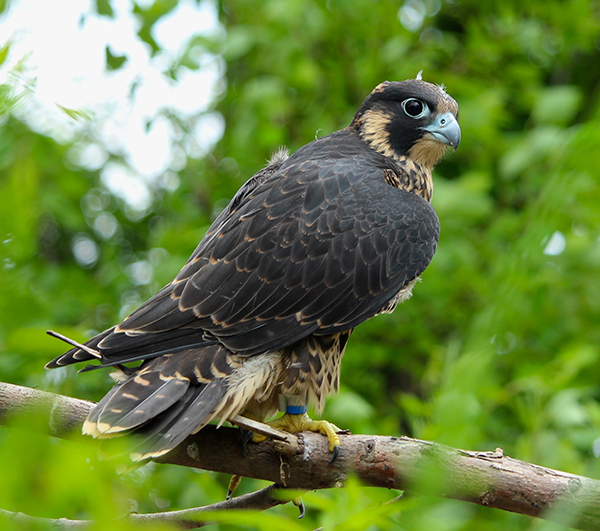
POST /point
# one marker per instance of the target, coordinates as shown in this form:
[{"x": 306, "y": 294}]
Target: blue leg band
[{"x": 296, "y": 410}]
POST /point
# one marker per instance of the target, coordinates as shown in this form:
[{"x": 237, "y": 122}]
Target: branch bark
[{"x": 485, "y": 478}]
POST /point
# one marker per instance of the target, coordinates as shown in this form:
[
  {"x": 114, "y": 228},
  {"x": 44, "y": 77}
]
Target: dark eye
[{"x": 414, "y": 108}]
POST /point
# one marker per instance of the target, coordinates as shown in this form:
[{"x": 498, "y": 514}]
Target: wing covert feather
[
  {"x": 368, "y": 243},
  {"x": 318, "y": 247}
]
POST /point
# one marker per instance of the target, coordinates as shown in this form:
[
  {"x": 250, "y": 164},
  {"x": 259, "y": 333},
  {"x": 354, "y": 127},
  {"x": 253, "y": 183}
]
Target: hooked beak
[{"x": 445, "y": 129}]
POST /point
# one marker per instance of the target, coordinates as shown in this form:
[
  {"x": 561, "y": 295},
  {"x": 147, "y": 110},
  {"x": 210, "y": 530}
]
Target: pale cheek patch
[
  {"x": 427, "y": 152},
  {"x": 374, "y": 131}
]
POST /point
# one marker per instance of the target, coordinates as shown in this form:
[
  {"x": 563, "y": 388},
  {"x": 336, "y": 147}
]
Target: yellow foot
[{"x": 296, "y": 423}]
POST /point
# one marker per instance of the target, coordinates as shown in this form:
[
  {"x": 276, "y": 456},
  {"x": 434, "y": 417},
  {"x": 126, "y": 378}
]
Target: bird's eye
[{"x": 415, "y": 108}]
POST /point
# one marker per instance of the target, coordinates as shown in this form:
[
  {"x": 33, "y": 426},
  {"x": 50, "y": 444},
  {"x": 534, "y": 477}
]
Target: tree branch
[
  {"x": 184, "y": 519},
  {"x": 484, "y": 478}
]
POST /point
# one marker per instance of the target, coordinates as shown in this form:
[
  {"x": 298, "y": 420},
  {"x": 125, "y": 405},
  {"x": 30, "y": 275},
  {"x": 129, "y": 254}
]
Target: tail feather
[
  {"x": 185, "y": 419},
  {"x": 140, "y": 398},
  {"x": 167, "y": 398},
  {"x": 90, "y": 426},
  {"x": 162, "y": 422}
]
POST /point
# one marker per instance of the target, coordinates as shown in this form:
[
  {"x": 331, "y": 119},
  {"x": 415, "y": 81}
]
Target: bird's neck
[
  {"x": 412, "y": 172},
  {"x": 410, "y": 176}
]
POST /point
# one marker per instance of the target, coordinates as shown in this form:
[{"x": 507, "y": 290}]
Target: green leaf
[
  {"x": 104, "y": 7},
  {"x": 77, "y": 115},
  {"x": 114, "y": 62}
]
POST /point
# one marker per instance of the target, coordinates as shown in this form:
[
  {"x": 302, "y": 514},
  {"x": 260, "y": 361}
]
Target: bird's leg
[{"x": 295, "y": 419}]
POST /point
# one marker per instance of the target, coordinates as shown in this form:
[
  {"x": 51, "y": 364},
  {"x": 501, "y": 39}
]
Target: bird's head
[{"x": 409, "y": 119}]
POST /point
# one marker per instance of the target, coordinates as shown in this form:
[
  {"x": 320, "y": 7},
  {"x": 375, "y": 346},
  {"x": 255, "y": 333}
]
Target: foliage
[{"x": 497, "y": 348}]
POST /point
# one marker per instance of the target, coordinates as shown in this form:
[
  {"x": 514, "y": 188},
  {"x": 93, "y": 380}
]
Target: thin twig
[{"x": 184, "y": 519}]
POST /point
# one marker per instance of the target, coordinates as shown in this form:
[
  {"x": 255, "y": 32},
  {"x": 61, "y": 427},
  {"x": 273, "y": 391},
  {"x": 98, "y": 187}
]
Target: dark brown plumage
[{"x": 310, "y": 247}]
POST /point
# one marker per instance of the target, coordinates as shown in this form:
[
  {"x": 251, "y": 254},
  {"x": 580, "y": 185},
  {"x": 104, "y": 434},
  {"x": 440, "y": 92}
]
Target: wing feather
[{"x": 319, "y": 246}]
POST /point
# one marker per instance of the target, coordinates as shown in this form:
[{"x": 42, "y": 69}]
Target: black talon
[
  {"x": 302, "y": 510},
  {"x": 336, "y": 452}
]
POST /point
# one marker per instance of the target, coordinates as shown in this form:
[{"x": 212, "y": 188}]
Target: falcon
[{"x": 258, "y": 318}]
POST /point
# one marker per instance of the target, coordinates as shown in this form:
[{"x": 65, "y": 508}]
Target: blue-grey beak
[{"x": 445, "y": 129}]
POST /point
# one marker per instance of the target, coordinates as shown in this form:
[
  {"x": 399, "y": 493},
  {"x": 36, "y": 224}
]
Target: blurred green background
[{"x": 499, "y": 346}]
